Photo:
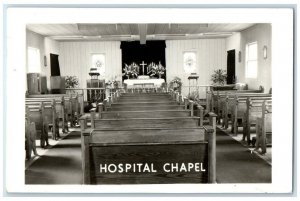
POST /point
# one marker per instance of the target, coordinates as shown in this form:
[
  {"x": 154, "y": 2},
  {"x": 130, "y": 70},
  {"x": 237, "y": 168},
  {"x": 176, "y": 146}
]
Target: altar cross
[{"x": 143, "y": 64}]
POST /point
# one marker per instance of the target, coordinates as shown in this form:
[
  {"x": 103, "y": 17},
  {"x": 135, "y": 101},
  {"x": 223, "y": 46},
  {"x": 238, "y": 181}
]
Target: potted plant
[
  {"x": 219, "y": 77},
  {"x": 71, "y": 82}
]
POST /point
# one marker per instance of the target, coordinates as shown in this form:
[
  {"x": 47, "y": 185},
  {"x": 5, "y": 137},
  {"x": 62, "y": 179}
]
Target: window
[
  {"x": 251, "y": 60},
  {"x": 98, "y": 61},
  {"x": 189, "y": 62},
  {"x": 33, "y": 60}
]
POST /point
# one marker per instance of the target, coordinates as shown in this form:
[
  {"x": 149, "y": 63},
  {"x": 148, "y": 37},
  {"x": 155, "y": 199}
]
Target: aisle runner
[
  {"x": 236, "y": 164},
  {"x": 60, "y": 165}
]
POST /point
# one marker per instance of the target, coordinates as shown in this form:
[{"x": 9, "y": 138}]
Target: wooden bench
[
  {"x": 72, "y": 106},
  {"x": 30, "y": 135},
  {"x": 143, "y": 98},
  {"x": 219, "y": 98},
  {"x": 253, "y": 111},
  {"x": 239, "y": 108},
  {"x": 77, "y": 100},
  {"x": 264, "y": 128},
  {"x": 60, "y": 107},
  {"x": 43, "y": 114},
  {"x": 148, "y": 108},
  {"x": 216, "y": 97},
  {"x": 230, "y": 102},
  {"x": 148, "y": 141}
]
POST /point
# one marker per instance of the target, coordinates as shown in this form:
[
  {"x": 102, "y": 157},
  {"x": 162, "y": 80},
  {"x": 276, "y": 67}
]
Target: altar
[{"x": 144, "y": 81}]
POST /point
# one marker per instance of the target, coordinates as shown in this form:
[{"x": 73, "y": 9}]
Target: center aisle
[{"x": 60, "y": 165}]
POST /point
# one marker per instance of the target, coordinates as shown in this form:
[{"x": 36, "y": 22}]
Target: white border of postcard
[{"x": 282, "y": 79}]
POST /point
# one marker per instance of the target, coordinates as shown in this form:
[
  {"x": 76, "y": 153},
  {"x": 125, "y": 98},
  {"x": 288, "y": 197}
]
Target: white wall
[
  {"x": 262, "y": 33},
  {"x": 46, "y": 46},
  {"x": 211, "y": 55},
  {"x": 75, "y": 59},
  {"x": 234, "y": 43},
  {"x": 37, "y": 41},
  {"x": 51, "y": 47}
]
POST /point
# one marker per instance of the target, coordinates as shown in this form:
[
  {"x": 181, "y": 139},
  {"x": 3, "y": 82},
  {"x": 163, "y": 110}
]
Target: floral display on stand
[
  {"x": 131, "y": 71},
  {"x": 114, "y": 83},
  {"x": 176, "y": 84}
]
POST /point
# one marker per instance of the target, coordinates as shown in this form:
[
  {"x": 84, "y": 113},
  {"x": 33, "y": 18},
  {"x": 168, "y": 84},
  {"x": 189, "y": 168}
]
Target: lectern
[{"x": 194, "y": 79}]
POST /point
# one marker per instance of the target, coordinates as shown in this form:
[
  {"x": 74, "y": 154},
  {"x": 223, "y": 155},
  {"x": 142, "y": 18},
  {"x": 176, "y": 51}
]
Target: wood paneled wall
[
  {"x": 75, "y": 59},
  {"x": 211, "y": 55}
]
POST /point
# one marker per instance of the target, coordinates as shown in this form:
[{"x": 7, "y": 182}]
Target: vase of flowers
[
  {"x": 154, "y": 69},
  {"x": 131, "y": 71}
]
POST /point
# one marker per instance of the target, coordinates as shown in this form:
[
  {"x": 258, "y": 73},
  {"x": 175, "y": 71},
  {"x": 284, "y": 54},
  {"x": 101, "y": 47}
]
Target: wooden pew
[
  {"x": 217, "y": 96},
  {"x": 44, "y": 114},
  {"x": 253, "y": 111},
  {"x": 78, "y": 105},
  {"x": 220, "y": 97},
  {"x": 239, "y": 108},
  {"x": 143, "y": 108},
  {"x": 60, "y": 108},
  {"x": 264, "y": 128},
  {"x": 73, "y": 105},
  {"x": 158, "y": 113},
  {"x": 145, "y": 144},
  {"x": 143, "y": 98},
  {"x": 230, "y": 103},
  {"x": 30, "y": 135}
]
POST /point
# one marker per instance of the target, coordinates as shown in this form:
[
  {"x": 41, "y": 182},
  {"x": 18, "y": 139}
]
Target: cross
[{"x": 143, "y": 64}]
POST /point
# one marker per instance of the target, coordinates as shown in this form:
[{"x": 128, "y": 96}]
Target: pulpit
[
  {"x": 57, "y": 85},
  {"x": 95, "y": 87}
]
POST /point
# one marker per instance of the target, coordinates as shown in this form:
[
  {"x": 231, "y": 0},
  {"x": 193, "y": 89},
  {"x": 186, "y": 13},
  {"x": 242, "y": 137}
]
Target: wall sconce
[
  {"x": 240, "y": 57},
  {"x": 45, "y": 61},
  {"x": 265, "y": 52}
]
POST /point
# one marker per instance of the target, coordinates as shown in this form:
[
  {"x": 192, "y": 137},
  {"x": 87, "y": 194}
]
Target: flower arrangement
[
  {"x": 71, "y": 82},
  {"x": 114, "y": 83},
  {"x": 131, "y": 70},
  {"x": 176, "y": 84},
  {"x": 156, "y": 69},
  {"x": 219, "y": 77}
]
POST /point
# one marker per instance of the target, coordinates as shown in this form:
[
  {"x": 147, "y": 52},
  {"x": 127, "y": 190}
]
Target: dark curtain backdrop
[
  {"x": 152, "y": 51},
  {"x": 55, "y": 70}
]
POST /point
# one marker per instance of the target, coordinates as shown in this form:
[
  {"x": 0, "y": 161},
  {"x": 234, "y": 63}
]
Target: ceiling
[{"x": 135, "y": 32}]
